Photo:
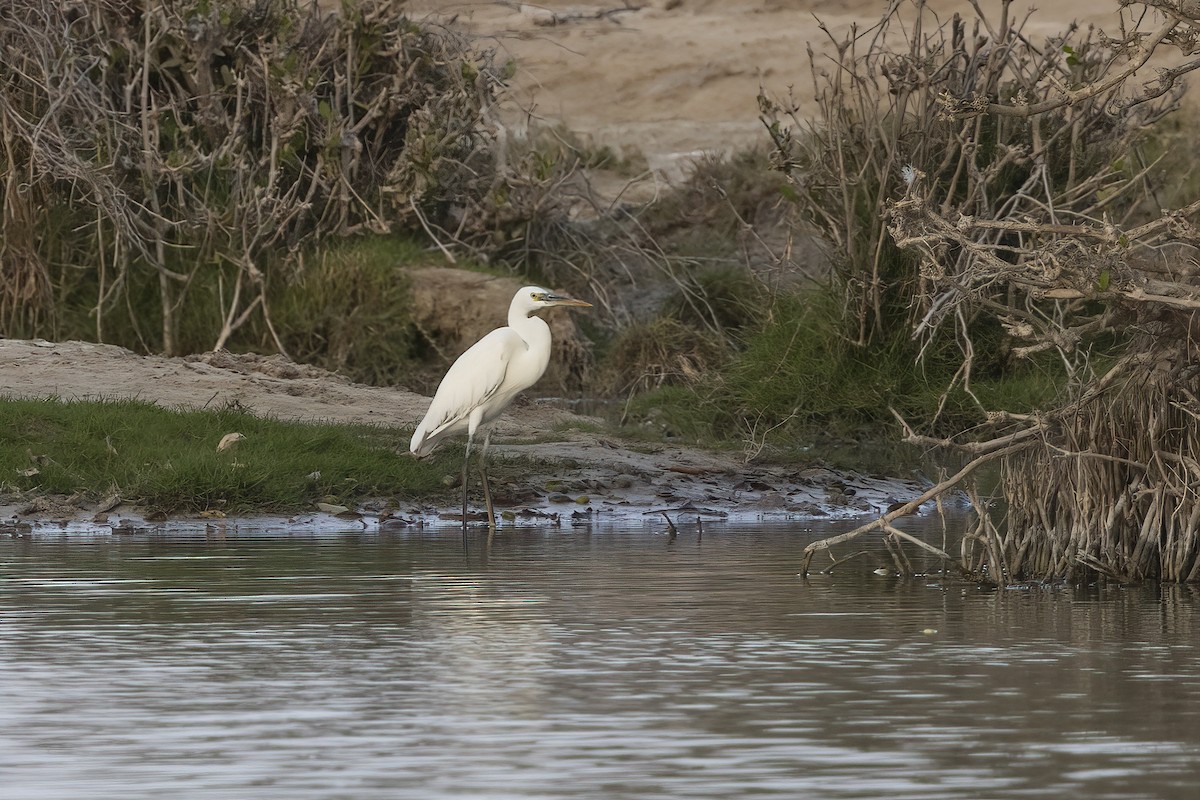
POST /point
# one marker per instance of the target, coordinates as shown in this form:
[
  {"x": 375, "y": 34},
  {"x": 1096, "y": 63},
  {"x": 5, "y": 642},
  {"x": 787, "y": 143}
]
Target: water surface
[{"x": 575, "y": 664}]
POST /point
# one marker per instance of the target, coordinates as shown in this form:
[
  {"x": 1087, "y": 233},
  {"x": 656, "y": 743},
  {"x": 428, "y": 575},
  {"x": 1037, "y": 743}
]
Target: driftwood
[
  {"x": 610, "y": 14},
  {"x": 884, "y": 522}
]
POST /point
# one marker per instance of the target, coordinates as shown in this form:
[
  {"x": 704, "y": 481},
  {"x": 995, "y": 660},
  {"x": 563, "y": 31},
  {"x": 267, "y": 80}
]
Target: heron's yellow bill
[{"x": 561, "y": 300}]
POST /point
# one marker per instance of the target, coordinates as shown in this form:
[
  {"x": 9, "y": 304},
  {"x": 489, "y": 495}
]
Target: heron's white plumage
[{"x": 485, "y": 379}]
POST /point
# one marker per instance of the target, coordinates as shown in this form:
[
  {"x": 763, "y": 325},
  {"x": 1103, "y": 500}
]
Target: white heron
[{"x": 485, "y": 379}]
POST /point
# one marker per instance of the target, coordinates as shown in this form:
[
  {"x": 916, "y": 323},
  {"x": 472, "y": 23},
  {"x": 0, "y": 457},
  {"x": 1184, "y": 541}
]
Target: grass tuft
[
  {"x": 351, "y": 312},
  {"x": 167, "y": 460},
  {"x": 799, "y": 377}
]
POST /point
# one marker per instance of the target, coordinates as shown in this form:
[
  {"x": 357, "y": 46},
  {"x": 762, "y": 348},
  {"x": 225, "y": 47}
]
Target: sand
[{"x": 672, "y": 79}]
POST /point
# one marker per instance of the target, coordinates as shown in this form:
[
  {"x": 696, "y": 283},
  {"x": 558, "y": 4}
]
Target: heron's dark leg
[
  {"x": 466, "y": 462},
  {"x": 487, "y": 490}
]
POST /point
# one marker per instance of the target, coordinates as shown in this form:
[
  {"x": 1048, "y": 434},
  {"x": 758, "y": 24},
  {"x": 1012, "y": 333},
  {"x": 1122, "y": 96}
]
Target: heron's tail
[{"x": 419, "y": 446}]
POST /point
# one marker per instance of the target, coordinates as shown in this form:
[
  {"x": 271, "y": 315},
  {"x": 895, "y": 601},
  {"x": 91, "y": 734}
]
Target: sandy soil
[
  {"x": 675, "y": 78},
  {"x": 581, "y": 478}
]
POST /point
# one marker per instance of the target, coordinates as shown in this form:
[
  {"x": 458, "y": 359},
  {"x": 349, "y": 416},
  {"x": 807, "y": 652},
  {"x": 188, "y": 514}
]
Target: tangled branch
[{"x": 1013, "y": 178}]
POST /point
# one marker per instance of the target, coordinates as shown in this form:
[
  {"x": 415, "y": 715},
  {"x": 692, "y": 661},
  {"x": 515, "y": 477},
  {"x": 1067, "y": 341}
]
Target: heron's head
[{"x": 532, "y": 298}]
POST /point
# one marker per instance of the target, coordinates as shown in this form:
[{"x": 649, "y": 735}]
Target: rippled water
[{"x": 569, "y": 664}]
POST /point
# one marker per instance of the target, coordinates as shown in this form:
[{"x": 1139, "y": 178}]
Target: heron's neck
[
  {"x": 517, "y": 316},
  {"x": 532, "y": 328}
]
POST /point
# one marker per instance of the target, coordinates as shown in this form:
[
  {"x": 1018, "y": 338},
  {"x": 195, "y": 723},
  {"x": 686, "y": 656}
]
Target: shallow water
[{"x": 575, "y": 664}]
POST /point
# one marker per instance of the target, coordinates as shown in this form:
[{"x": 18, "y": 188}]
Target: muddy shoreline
[{"x": 584, "y": 478}]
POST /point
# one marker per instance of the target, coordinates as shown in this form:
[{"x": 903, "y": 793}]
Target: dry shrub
[
  {"x": 349, "y": 312},
  {"x": 908, "y": 104},
  {"x": 1113, "y": 487},
  {"x": 1018, "y": 192},
  {"x": 209, "y": 141}
]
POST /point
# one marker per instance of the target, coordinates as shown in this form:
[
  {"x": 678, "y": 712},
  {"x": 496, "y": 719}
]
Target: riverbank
[{"x": 550, "y": 466}]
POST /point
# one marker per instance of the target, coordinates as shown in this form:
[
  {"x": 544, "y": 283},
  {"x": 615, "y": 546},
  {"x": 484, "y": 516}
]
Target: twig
[
  {"x": 672, "y": 531},
  {"x": 412, "y": 202},
  {"x": 910, "y": 506},
  {"x": 1071, "y": 97},
  {"x": 908, "y": 537},
  {"x": 554, "y": 18},
  {"x": 839, "y": 561}
]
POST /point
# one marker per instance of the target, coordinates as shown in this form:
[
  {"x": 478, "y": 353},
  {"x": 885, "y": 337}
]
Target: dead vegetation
[
  {"x": 173, "y": 175},
  {"x": 191, "y": 150},
  {"x": 971, "y": 174}
]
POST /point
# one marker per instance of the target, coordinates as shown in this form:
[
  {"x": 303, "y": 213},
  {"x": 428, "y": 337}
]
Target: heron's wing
[{"x": 476, "y": 379}]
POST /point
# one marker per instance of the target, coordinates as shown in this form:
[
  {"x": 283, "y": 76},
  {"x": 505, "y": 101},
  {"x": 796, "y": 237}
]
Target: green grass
[
  {"x": 167, "y": 460},
  {"x": 797, "y": 376},
  {"x": 349, "y": 310}
]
